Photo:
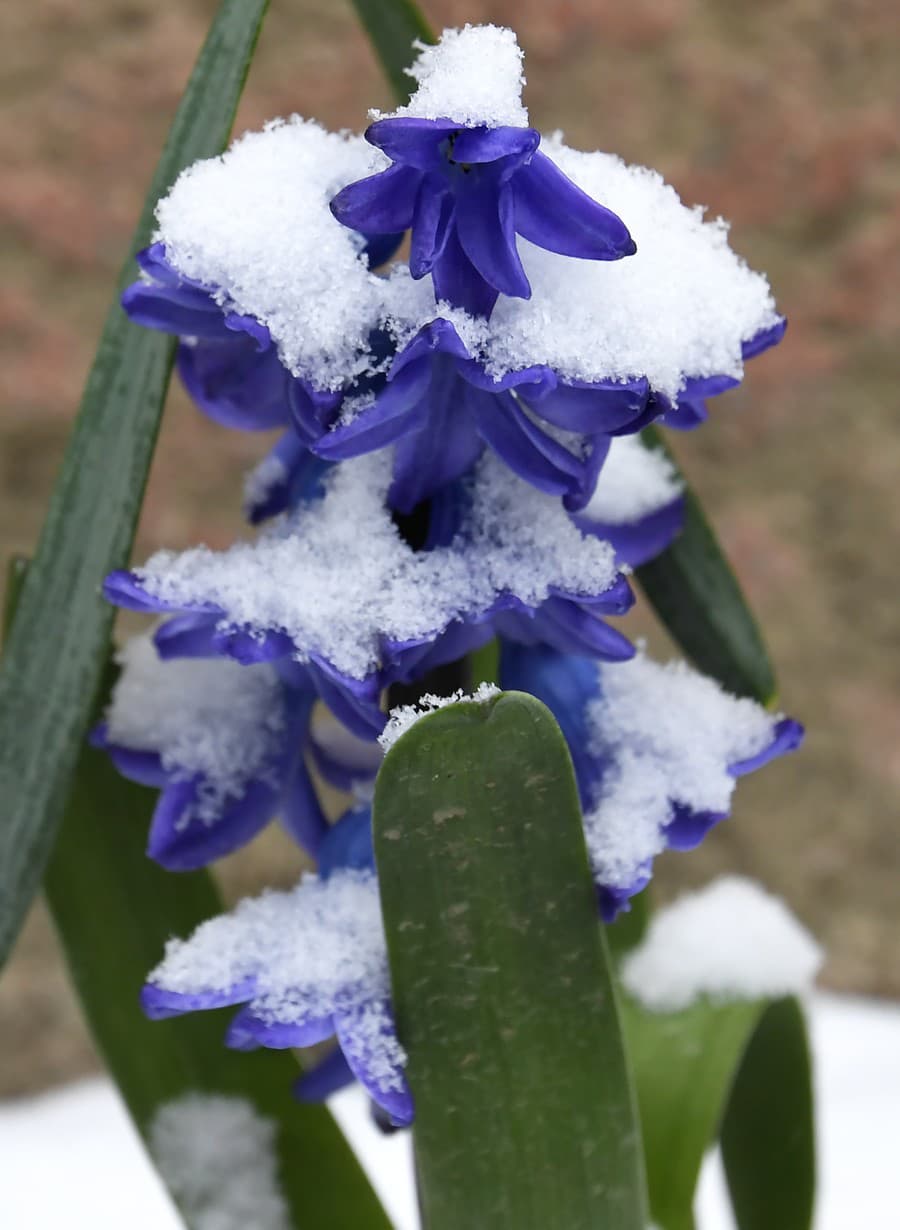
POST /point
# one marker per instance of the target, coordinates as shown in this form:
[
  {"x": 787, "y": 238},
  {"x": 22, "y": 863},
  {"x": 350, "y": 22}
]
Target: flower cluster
[{"x": 458, "y": 461}]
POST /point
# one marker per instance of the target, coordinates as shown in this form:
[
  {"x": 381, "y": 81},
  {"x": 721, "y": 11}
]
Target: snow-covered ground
[{"x": 71, "y": 1158}]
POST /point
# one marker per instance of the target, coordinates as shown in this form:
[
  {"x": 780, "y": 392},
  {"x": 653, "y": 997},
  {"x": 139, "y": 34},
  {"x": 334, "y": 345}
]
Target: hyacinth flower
[
  {"x": 261, "y": 348},
  {"x": 223, "y": 744},
  {"x": 302, "y": 966},
  {"x": 467, "y": 177},
  {"x": 334, "y": 590},
  {"x": 657, "y": 751}
]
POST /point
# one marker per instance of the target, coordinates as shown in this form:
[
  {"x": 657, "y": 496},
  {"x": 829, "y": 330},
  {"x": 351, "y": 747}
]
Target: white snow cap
[
  {"x": 405, "y": 716},
  {"x": 338, "y": 577},
  {"x": 471, "y": 76},
  {"x": 730, "y": 940},
  {"x": 210, "y": 717},
  {"x": 666, "y": 735},
  {"x": 679, "y": 308},
  {"x": 255, "y": 223},
  {"x": 314, "y": 950},
  {"x": 217, "y": 1157},
  {"x": 635, "y": 481}
]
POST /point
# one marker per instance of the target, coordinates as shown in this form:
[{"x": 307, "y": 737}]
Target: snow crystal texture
[
  {"x": 635, "y": 481},
  {"x": 666, "y": 735},
  {"x": 404, "y": 717},
  {"x": 338, "y": 577},
  {"x": 255, "y": 223},
  {"x": 303, "y": 954},
  {"x": 211, "y": 718},
  {"x": 472, "y": 76},
  {"x": 680, "y": 307},
  {"x": 730, "y": 940},
  {"x": 217, "y": 1157}
]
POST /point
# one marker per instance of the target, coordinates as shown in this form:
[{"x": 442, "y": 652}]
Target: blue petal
[
  {"x": 553, "y": 213},
  {"x": 605, "y": 406},
  {"x": 235, "y": 384},
  {"x": 485, "y": 225},
  {"x": 480, "y": 145},
  {"x": 636, "y": 542},
  {"x": 181, "y": 842},
  {"x": 398, "y": 406},
  {"x": 247, "y": 1031},
  {"x": 412, "y": 141},
  {"x": 174, "y": 309},
  {"x": 325, "y": 1079},
  {"x": 533, "y": 455},
  {"x": 159, "y": 1004},
  {"x": 764, "y": 339},
  {"x": 381, "y": 204},
  {"x": 354, "y": 1035},
  {"x": 566, "y": 684},
  {"x": 457, "y": 281},
  {"x": 443, "y": 448},
  {"x": 143, "y": 767},
  {"x": 787, "y": 737},
  {"x": 431, "y": 225},
  {"x": 348, "y": 844}
]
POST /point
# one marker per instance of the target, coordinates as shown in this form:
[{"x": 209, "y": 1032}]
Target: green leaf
[
  {"x": 684, "y": 1063},
  {"x": 58, "y": 643},
  {"x": 695, "y": 593},
  {"x": 114, "y": 910},
  {"x": 525, "y": 1116},
  {"x": 768, "y": 1136},
  {"x": 393, "y": 26}
]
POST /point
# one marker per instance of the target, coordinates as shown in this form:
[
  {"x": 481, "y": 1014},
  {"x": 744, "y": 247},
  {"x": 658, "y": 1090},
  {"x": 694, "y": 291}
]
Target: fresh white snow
[
  {"x": 338, "y": 577},
  {"x": 729, "y": 940},
  {"x": 255, "y": 223},
  {"x": 405, "y": 716},
  {"x": 217, "y": 1157},
  {"x": 635, "y": 481},
  {"x": 472, "y": 76},
  {"x": 71, "y": 1156}
]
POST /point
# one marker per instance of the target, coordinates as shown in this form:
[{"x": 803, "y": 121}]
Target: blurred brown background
[{"x": 783, "y": 116}]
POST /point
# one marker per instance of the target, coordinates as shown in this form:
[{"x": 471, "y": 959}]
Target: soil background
[{"x": 783, "y": 117}]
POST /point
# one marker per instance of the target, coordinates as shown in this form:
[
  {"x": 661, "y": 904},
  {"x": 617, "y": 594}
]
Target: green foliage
[
  {"x": 768, "y": 1136},
  {"x": 525, "y": 1115},
  {"x": 698, "y": 599},
  {"x": 58, "y": 644},
  {"x": 393, "y": 26}
]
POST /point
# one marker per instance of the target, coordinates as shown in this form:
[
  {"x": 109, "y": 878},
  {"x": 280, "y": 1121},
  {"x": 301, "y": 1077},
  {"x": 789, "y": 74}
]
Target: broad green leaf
[
  {"x": 58, "y": 643},
  {"x": 114, "y": 910},
  {"x": 768, "y": 1136},
  {"x": 525, "y": 1117},
  {"x": 695, "y": 594},
  {"x": 683, "y": 1063},
  {"x": 393, "y": 26}
]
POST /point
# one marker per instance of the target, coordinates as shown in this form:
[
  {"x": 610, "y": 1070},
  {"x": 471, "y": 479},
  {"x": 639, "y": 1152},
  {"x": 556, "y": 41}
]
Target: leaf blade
[
  {"x": 45, "y": 694},
  {"x": 696, "y": 595},
  {"x": 393, "y": 26},
  {"x": 768, "y": 1133},
  {"x": 525, "y": 1114}
]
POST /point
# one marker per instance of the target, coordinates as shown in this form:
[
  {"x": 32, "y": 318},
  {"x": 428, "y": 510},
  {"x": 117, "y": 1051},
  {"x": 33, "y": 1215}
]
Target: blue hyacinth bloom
[
  {"x": 301, "y": 966},
  {"x": 657, "y": 751},
  {"x": 440, "y": 408},
  {"x": 223, "y": 744},
  {"x": 466, "y": 192}
]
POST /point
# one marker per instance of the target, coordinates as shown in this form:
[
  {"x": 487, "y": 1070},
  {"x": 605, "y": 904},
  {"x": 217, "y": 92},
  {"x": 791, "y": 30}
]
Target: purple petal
[
  {"x": 398, "y": 406},
  {"x": 479, "y": 145},
  {"x": 380, "y": 204},
  {"x": 180, "y": 841},
  {"x": 301, "y": 811},
  {"x": 194, "y": 635},
  {"x": 764, "y": 339},
  {"x": 444, "y": 447},
  {"x": 787, "y": 737},
  {"x": 247, "y": 1031},
  {"x": 158, "y": 1003},
  {"x": 457, "y": 281},
  {"x": 637, "y": 542},
  {"x": 142, "y": 767},
  {"x": 574, "y": 629},
  {"x": 236, "y": 385},
  {"x": 325, "y": 1079},
  {"x": 533, "y": 455},
  {"x": 389, "y": 1087},
  {"x": 430, "y": 226},
  {"x": 687, "y": 828},
  {"x": 180, "y": 310},
  {"x": 485, "y": 225},
  {"x": 606, "y": 406},
  {"x": 412, "y": 141},
  {"x": 553, "y": 213}
]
